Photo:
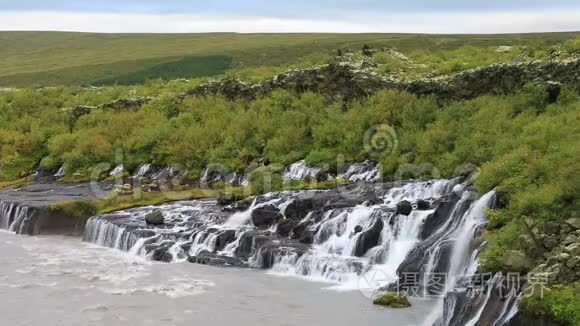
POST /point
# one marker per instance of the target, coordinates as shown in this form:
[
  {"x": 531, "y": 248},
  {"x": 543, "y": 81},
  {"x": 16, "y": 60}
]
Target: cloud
[{"x": 438, "y": 22}]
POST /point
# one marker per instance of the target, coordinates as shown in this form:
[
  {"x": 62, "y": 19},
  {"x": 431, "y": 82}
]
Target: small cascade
[
  {"x": 364, "y": 171},
  {"x": 60, "y": 173},
  {"x": 300, "y": 170},
  {"x": 17, "y": 218},
  {"x": 210, "y": 175},
  {"x": 117, "y": 170},
  {"x": 106, "y": 234},
  {"x": 143, "y": 170}
]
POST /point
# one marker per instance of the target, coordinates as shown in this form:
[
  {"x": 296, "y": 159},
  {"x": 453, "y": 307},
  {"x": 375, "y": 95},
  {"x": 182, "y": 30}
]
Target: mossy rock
[
  {"x": 155, "y": 218},
  {"x": 393, "y": 300}
]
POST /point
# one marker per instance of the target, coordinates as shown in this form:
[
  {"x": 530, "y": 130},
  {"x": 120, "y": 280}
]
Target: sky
[{"x": 249, "y": 16}]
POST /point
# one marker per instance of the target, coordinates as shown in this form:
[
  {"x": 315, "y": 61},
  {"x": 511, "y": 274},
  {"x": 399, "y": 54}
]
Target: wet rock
[
  {"x": 224, "y": 238},
  {"x": 307, "y": 237},
  {"x": 393, "y": 300},
  {"x": 299, "y": 207},
  {"x": 206, "y": 258},
  {"x": 404, "y": 208},
  {"x": 161, "y": 252},
  {"x": 266, "y": 215},
  {"x": 299, "y": 229},
  {"x": 246, "y": 245},
  {"x": 271, "y": 252},
  {"x": 369, "y": 239},
  {"x": 443, "y": 210},
  {"x": 285, "y": 227},
  {"x": 423, "y": 205},
  {"x": 155, "y": 218},
  {"x": 358, "y": 229}
]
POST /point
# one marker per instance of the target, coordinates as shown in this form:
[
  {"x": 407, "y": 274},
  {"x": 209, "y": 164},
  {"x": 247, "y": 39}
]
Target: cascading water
[
  {"x": 117, "y": 170},
  {"x": 364, "y": 171},
  {"x": 210, "y": 175},
  {"x": 60, "y": 172},
  {"x": 300, "y": 170},
  {"x": 332, "y": 235},
  {"x": 143, "y": 170},
  {"x": 17, "y": 218}
]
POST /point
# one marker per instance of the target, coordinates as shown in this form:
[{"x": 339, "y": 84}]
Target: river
[{"x": 55, "y": 280}]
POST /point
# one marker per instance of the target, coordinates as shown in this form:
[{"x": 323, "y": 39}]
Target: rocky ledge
[
  {"x": 26, "y": 210},
  {"x": 346, "y": 78}
]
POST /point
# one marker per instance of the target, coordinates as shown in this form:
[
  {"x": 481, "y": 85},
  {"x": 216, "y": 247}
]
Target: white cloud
[{"x": 452, "y": 22}]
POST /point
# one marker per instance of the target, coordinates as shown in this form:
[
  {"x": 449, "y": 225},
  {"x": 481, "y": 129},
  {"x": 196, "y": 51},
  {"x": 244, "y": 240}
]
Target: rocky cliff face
[
  {"x": 27, "y": 210},
  {"x": 346, "y": 78}
]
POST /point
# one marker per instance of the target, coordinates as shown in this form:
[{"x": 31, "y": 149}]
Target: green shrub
[{"x": 560, "y": 302}]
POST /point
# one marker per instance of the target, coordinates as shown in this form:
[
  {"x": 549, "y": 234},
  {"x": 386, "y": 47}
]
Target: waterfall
[
  {"x": 364, "y": 171},
  {"x": 143, "y": 170},
  {"x": 300, "y": 170},
  {"x": 332, "y": 236},
  {"x": 117, "y": 170},
  {"x": 106, "y": 234},
  {"x": 210, "y": 175},
  {"x": 17, "y": 218},
  {"x": 60, "y": 172}
]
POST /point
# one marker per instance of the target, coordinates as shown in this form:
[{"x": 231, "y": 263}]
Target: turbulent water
[{"x": 62, "y": 281}]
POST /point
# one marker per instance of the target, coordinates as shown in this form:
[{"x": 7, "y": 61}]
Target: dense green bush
[{"x": 560, "y": 302}]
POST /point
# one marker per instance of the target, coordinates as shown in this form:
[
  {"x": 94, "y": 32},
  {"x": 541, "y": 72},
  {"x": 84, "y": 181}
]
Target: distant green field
[{"x": 53, "y": 58}]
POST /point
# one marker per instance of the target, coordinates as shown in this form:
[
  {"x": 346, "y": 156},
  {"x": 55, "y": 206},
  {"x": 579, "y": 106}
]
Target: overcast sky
[{"x": 426, "y": 16}]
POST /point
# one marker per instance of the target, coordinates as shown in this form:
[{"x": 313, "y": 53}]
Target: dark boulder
[
  {"x": 551, "y": 227},
  {"x": 404, "y": 208},
  {"x": 299, "y": 207},
  {"x": 285, "y": 227},
  {"x": 299, "y": 229},
  {"x": 226, "y": 199},
  {"x": 369, "y": 238},
  {"x": 307, "y": 237},
  {"x": 266, "y": 215},
  {"x": 160, "y": 252},
  {"x": 423, "y": 205},
  {"x": 435, "y": 220},
  {"x": 155, "y": 218},
  {"x": 245, "y": 246},
  {"x": 207, "y": 258},
  {"x": 224, "y": 238},
  {"x": 358, "y": 229},
  {"x": 272, "y": 252}
]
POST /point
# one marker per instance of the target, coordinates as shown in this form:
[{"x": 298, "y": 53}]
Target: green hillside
[{"x": 55, "y": 58}]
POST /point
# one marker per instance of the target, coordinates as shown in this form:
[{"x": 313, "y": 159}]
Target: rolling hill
[{"x": 65, "y": 58}]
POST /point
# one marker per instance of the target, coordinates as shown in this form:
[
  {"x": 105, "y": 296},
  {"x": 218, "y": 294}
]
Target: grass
[
  {"x": 16, "y": 183},
  {"x": 192, "y": 67},
  {"x": 115, "y": 202},
  {"x": 36, "y": 58}
]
